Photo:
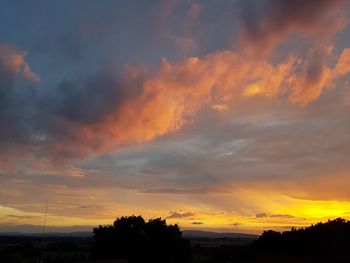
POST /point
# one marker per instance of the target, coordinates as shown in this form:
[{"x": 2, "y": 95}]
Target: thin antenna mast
[
  {"x": 44, "y": 225},
  {"x": 39, "y": 260}
]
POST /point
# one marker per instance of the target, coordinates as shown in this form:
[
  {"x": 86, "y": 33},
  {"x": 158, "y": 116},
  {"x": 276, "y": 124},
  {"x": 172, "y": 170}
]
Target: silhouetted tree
[
  {"x": 322, "y": 242},
  {"x": 135, "y": 240}
]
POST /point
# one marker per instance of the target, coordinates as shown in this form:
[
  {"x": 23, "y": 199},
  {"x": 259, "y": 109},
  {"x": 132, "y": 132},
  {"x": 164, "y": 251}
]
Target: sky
[{"x": 222, "y": 115}]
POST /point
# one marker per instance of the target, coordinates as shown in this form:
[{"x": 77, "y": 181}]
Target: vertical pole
[{"x": 43, "y": 232}]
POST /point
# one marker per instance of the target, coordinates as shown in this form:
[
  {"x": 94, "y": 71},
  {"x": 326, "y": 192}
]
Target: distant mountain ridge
[
  {"x": 48, "y": 234},
  {"x": 186, "y": 234},
  {"x": 208, "y": 234}
]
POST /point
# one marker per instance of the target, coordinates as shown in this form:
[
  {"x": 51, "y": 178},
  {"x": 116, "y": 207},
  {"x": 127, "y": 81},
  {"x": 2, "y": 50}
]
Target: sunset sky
[{"x": 223, "y": 115}]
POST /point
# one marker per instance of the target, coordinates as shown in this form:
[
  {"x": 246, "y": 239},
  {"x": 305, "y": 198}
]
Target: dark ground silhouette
[
  {"x": 131, "y": 239},
  {"x": 323, "y": 242},
  {"x": 135, "y": 240}
]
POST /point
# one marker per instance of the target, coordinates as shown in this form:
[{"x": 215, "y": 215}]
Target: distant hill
[
  {"x": 208, "y": 234},
  {"x": 185, "y": 233},
  {"x": 48, "y": 234}
]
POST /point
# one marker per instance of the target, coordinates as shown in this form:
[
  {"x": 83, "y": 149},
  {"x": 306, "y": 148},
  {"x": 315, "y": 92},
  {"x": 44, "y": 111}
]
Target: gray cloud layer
[{"x": 48, "y": 118}]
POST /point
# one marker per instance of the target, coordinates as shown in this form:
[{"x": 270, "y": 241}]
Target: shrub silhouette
[
  {"x": 135, "y": 240},
  {"x": 322, "y": 242},
  {"x": 321, "y": 238}
]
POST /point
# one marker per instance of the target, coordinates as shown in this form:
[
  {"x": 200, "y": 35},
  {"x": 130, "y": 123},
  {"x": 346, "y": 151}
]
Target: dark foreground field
[
  {"x": 323, "y": 242},
  {"x": 52, "y": 249}
]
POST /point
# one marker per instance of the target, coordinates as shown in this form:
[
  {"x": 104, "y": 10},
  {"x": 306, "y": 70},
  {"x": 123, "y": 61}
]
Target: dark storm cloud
[
  {"x": 30, "y": 116},
  {"x": 266, "y": 22},
  {"x": 89, "y": 101}
]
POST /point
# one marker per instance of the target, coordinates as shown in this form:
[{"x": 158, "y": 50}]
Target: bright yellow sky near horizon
[{"x": 281, "y": 212}]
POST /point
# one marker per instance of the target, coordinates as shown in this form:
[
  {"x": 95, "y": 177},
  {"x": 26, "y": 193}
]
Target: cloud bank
[{"x": 117, "y": 108}]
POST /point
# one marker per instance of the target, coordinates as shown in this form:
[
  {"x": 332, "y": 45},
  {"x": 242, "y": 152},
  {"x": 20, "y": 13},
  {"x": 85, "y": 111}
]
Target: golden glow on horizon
[{"x": 271, "y": 211}]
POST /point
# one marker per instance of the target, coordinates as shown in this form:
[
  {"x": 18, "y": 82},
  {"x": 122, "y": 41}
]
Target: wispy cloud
[{"x": 180, "y": 215}]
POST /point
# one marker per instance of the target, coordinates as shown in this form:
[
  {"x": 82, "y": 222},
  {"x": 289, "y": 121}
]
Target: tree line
[{"x": 135, "y": 240}]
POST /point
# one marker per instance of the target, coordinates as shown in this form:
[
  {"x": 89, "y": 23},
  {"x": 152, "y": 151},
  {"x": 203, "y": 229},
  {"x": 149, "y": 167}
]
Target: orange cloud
[
  {"x": 176, "y": 91},
  {"x": 168, "y": 97},
  {"x": 160, "y": 102},
  {"x": 316, "y": 76},
  {"x": 14, "y": 62},
  {"x": 343, "y": 65}
]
